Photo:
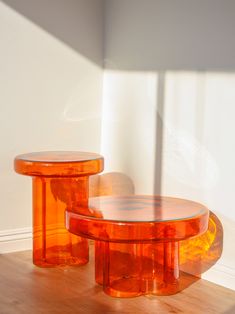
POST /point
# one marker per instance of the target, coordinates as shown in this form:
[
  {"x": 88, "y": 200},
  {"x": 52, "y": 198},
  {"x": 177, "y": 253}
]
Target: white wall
[
  {"x": 199, "y": 152},
  {"x": 128, "y": 136},
  {"x": 190, "y": 46},
  {"x": 50, "y": 99}
]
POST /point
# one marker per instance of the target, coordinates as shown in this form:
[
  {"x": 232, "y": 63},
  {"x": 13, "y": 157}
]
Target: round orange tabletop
[
  {"x": 137, "y": 240},
  {"x": 60, "y": 180},
  {"x": 59, "y": 164},
  {"x": 138, "y": 218}
]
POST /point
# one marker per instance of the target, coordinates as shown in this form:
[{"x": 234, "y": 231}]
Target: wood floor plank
[{"x": 25, "y": 289}]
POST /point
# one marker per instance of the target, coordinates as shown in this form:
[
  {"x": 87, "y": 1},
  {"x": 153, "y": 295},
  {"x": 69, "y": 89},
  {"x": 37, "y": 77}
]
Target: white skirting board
[
  {"x": 21, "y": 239},
  {"x": 15, "y": 240},
  {"x": 221, "y": 275}
]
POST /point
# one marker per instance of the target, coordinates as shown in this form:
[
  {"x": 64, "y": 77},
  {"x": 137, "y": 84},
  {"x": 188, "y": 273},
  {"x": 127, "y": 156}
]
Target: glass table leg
[
  {"x": 53, "y": 245},
  {"x": 132, "y": 269}
]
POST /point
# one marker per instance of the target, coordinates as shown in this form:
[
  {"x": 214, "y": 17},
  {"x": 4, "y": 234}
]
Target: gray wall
[
  {"x": 141, "y": 34},
  {"x": 170, "y": 34},
  {"x": 78, "y": 23}
]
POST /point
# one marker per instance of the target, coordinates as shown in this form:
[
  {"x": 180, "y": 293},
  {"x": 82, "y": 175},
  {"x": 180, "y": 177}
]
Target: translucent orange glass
[
  {"x": 137, "y": 240},
  {"x": 198, "y": 254},
  {"x": 60, "y": 180}
]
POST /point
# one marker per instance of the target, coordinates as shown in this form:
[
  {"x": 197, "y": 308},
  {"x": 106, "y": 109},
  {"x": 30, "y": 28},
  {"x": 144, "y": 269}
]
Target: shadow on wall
[
  {"x": 160, "y": 35},
  {"x": 111, "y": 183},
  {"x": 78, "y": 23}
]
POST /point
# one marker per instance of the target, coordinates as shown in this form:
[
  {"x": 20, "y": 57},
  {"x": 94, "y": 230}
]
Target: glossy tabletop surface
[
  {"x": 138, "y": 218},
  {"x": 59, "y": 163},
  {"x": 144, "y": 208}
]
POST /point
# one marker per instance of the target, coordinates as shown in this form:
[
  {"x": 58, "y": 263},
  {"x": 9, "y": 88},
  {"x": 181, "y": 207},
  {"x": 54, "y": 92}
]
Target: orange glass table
[
  {"x": 60, "y": 180},
  {"x": 137, "y": 240}
]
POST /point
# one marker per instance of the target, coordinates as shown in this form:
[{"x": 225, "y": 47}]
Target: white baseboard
[
  {"x": 222, "y": 275},
  {"x": 14, "y": 240}
]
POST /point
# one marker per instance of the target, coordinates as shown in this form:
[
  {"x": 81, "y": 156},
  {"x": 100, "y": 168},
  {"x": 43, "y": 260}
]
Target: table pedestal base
[
  {"x": 53, "y": 245},
  {"x": 130, "y": 269}
]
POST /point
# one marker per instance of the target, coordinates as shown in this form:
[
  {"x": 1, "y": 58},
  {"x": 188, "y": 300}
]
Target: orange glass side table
[
  {"x": 60, "y": 180},
  {"x": 137, "y": 240}
]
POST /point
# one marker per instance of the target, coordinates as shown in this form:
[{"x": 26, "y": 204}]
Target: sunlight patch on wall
[{"x": 128, "y": 125}]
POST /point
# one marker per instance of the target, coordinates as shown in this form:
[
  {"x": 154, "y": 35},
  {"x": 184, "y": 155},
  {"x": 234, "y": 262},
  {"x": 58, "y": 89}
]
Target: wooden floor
[{"x": 25, "y": 288}]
